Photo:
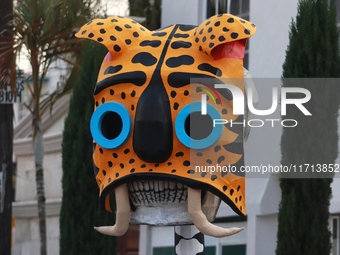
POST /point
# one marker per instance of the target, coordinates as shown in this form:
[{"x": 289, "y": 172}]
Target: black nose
[{"x": 152, "y": 134}]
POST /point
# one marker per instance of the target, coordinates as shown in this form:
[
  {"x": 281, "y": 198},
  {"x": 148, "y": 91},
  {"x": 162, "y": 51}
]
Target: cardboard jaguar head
[{"x": 147, "y": 113}]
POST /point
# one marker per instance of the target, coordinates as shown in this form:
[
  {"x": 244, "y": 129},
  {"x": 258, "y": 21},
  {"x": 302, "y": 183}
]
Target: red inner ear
[
  {"x": 233, "y": 49},
  {"x": 108, "y": 57}
]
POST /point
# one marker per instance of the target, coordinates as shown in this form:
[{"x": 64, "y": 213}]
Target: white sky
[{"x": 110, "y": 7}]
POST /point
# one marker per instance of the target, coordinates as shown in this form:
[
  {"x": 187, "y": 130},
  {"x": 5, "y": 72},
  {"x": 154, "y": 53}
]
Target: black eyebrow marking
[
  {"x": 137, "y": 78},
  {"x": 180, "y": 79}
]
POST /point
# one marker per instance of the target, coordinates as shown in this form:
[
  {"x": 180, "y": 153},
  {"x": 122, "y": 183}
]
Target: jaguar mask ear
[
  {"x": 115, "y": 33},
  {"x": 224, "y": 36}
]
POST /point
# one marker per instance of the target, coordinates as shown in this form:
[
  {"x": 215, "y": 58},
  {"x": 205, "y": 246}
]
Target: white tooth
[
  {"x": 140, "y": 186},
  {"x": 146, "y": 186},
  {"x": 122, "y": 214},
  {"x": 200, "y": 220},
  {"x": 135, "y": 186},
  {"x": 161, "y": 185},
  {"x": 172, "y": 185},
  {"x": 151, "y": 185},
  {"x": 156, "y": 185}
]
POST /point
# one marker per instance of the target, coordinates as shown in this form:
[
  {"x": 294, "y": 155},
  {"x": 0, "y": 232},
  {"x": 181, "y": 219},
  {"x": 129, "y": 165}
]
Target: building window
[
  {"x": 239, "y": 8},
  {"x": 335, "y": 234}
]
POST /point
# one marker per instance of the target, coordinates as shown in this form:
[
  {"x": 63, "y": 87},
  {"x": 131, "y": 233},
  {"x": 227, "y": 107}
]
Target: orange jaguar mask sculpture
[{"x": 144, "y": 87}]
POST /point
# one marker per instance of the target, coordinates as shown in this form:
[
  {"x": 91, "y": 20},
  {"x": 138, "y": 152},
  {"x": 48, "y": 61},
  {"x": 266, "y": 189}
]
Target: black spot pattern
[
  {"x": 225, "y": 29},
  {"x": 203, "y": 174},
  {"x": 210, "y": 29},
  {"x": 112, "y": 92},
  {"x": 217, "y": 148},
  {"x": 173, "y": 94},
  {"x": 209, "y": 161},
  {"x": 131, "y": 161},
  {"x": 230, "y": 20},
  {"x": 173, "y": 171},
  {"x": 224, "y": 111},
  {"x": 135, "y": 34},
  {"x": 186, "y": 163},
  {"x": 109, "y": 163},
  {"x": 199, "y": 154},
  {"x": 214, "y": 177},
  {"x": 159, "y": 34},
  {"x": 217, "y": 24},
  {"x": 238, "y": 188},
  {"x": 221, "y": 38},
  {"x": 220, "y": 159},
  {"x": 133, "y": 93},
  {"x": 180, "y": 44},
  {"x": 112, "y": 38},
  {"x": 186, "y": 93},
  {"x": 118, "y": 28},
  {"x": 126, "y": 151},
  {"x": 181, "y": 35},
  {"x": 178, "y": 61},
  {"x": 102, "y": 31},
  {"x": 176, "y": 105},
  {"x": 211, "y": 45},
  {"x": 90, "y": 35},
  {"x": 144, "y": 58},
  {"x": 153, "y": 43},
  {"x": 113, "y": 69},
  {"x": 190, "y": 171},
  {"x": 117, "y": 174},
  {"x": 128, "y": 41},
  {"x": 209, "y": 68},
  {"x": 123, "y": 95},
  {"x": 143, "y": 166},
  {"x": 132, "y": 170},
  {"x": 116, "y": 48},
  {"x": 103, "y": 100},
  {"x": 169, "y": 163},
  {"x": 101, "y": 151},
  {"x": 231, "y": 192},
  {"x": 121, "y": 165},
  {"x": 127, "y": 26},
  {"x": 234, "y": 35},
  {"x": 100, "y": 39},
  {"x": 247, "y": 31},
  {"x": 225, "y": 188},
  {"x": 179, "y": 154},
  {"x": 104, "y": 172}
]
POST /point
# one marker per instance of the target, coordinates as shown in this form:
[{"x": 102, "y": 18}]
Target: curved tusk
[
  {"x": 122, "y": 215},
  {"x": 200, "y": 220}
]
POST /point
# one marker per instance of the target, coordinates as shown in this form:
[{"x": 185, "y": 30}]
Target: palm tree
[{"x": 45, "y": 29}]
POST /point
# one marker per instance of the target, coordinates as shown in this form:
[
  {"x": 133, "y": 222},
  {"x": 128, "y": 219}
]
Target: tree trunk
[
  {"x": 6, "y": 141},
  {"x": 6, "y": 151},
  {"x": 39, "y": 158}
]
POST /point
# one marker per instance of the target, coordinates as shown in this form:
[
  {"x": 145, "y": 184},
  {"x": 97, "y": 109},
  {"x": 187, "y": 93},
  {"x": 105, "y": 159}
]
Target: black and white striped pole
[{"x": 188, "y": 240}]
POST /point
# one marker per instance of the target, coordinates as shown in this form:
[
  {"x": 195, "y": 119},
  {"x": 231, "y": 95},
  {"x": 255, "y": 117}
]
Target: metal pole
[{"x": 188, "y": 240}]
